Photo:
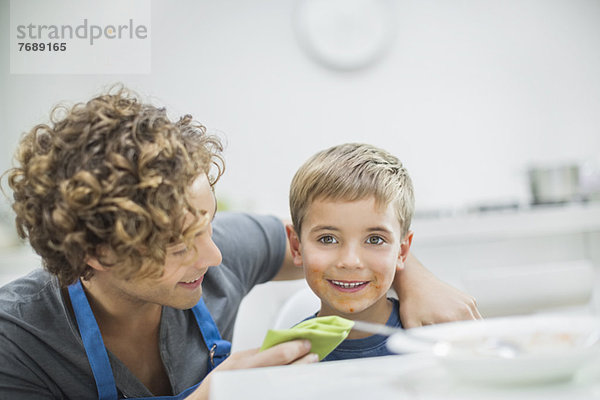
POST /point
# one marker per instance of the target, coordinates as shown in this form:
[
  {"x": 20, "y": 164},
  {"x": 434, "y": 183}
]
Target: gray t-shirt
[{"x": 41, "y": 353}]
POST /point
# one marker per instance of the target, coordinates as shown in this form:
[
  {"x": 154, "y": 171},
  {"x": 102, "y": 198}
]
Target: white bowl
[{"x": 550, "y": 348}]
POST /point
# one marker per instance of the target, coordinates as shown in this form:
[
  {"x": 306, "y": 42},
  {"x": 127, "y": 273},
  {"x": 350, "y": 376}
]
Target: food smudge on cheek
[{"x": 316, "y": 283}]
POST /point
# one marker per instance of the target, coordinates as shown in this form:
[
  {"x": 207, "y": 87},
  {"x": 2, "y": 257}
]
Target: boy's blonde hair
[{"x": 350, "y": 172}]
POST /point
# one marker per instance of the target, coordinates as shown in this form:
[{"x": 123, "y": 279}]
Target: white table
[{"x": 410, "y": 377}]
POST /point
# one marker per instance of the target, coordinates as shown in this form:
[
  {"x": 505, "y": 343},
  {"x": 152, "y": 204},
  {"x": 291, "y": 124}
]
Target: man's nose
[{"x": 209, "y": 254}]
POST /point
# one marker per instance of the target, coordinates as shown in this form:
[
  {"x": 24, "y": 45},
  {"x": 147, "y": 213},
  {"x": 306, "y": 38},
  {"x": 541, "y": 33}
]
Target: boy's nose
[{"x": 350, "y": 258}]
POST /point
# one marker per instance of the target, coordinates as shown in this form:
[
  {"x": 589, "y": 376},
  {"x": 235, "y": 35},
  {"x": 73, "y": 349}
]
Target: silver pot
[{"x": 554, "y": 185}]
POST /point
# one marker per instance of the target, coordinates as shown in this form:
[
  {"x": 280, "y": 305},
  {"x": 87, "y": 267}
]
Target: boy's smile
[
  {"x": 350, "y": 251},
  {"x": 349, "y": 286}
]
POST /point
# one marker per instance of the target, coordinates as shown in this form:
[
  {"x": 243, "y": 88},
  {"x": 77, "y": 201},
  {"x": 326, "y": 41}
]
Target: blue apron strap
[
  {"x": 98, "y": 357},
  {"x": 219, "y": 348},
  {"x": 93, "y": 343}
]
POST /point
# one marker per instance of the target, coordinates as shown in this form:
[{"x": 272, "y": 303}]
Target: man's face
[
  {"x": 350, "y": 251},
  {"x": 184, "y": 268}
]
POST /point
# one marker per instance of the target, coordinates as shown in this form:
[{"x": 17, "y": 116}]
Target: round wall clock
[{"x": 345, "y": 34}]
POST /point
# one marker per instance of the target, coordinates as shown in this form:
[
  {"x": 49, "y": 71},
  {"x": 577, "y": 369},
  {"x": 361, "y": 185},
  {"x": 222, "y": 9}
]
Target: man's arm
[
  {"x": 425, "y": 300},
  {"x": 288, "y": 270}
]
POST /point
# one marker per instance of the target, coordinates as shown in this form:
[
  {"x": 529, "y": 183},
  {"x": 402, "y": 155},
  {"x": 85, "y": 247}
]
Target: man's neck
[
  {"x": 118, "y": 313},
  {"x": 130, "y": 329}
]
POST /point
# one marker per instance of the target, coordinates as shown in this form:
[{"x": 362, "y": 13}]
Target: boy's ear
[
  {"x": 404, "y": 249},
  {"x": 294, "y": 241}
]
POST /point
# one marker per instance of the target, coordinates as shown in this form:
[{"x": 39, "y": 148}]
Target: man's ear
[
  {"x": 404, "y": 249},
  {"x": 294, "y": 241},
  {"x": 95, "y": 263}
]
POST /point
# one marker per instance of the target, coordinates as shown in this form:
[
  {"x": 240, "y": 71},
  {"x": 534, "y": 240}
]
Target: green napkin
[{"x": 324, "y": 334}]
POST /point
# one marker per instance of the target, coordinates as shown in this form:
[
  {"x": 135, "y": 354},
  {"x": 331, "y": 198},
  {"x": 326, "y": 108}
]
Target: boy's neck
[{"x": 378, "y": 313}]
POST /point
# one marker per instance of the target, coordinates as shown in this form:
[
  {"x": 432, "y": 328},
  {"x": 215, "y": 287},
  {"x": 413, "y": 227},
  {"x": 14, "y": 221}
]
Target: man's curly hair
[{"x": 109, "y": 179}]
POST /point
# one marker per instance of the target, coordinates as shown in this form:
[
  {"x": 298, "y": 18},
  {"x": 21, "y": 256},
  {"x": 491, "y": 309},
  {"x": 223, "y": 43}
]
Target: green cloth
[{"x": 324, "y": 334}]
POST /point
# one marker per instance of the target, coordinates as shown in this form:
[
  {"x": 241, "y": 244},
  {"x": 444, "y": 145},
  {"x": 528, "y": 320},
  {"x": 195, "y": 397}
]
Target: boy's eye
[
  {"x": 375, "y": 240},
  {"x": 327, "y": 239}
]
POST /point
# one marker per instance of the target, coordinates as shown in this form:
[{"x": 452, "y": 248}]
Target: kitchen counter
[{"x": 509, "y": 223}]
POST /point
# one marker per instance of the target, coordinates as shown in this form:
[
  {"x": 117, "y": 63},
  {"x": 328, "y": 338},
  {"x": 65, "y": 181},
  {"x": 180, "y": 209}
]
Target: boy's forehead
[
  {"x": 379, "y": 204},
  {"x": 325, "y": 209},
  {"x": 324, "y": 204}
]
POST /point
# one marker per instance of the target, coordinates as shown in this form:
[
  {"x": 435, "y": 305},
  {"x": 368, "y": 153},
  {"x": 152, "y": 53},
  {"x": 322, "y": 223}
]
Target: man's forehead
[{"x": 203, "y": 195}]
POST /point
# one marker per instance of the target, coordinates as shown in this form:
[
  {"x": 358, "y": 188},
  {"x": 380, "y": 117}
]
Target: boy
[{"x": 351, "y": 208}]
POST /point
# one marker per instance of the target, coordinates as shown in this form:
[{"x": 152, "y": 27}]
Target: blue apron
[{"x": 98, "y": 358}]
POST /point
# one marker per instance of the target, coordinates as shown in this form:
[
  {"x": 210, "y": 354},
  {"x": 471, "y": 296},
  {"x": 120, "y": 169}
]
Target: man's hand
[
  {"x": 292, "y": 352},
  {"x": 425, "y": 300},
  {"x": 436, "y": 302}
]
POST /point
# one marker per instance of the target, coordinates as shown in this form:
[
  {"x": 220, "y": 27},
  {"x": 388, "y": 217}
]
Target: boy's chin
[
  {"x": 349, "y": 312},
  {"x": 367, "y": 311}
]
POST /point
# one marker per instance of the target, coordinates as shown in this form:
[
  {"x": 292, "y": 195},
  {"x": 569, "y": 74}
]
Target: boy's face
[{"x": 350, "y": 251}]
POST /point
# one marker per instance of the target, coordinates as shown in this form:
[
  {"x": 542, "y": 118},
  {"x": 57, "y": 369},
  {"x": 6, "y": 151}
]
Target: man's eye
[
  {"x": 327, "y": 239},
  {"x": 180, "y": 252},
  {"x": 375, "y": 240}
]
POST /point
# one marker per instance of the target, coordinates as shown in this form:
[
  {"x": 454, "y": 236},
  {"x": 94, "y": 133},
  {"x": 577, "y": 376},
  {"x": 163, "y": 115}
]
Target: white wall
[{"x": 470, "y": 94}]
